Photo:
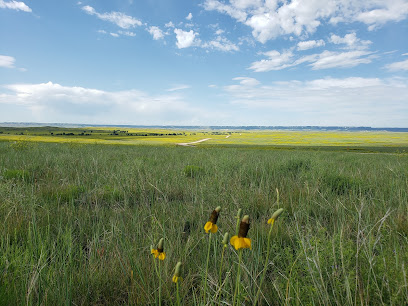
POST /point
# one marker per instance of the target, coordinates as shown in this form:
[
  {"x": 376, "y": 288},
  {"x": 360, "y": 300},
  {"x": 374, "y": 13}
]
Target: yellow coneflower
[
  {"x": 176, "y": 276},
  {"x": 211, "y": 225},
  {"x": 158, "y": 253},
  {"x": 241, "y": 241}
]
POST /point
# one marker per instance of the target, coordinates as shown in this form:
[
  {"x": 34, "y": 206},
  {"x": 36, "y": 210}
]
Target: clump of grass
[
  {"x": 193, "y": 171},
  {"x": 16, "y": 174},
  {"x": 295, "y": 166},
  {"x": 342, "y": 185}
]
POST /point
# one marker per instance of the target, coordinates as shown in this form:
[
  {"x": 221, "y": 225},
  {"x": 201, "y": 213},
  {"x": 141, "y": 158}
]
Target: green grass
[{"x": 75, "y": 220}]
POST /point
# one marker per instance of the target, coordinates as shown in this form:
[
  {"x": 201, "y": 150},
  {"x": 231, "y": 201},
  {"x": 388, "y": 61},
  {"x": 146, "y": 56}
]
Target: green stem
[
  {"x": 158, "y": 276},
  {"x": 206, "y": 267},
  {"x": 178, "y": 294},
  {"x": 265, "y": 265},
  {"x": 238, "y": 280},
  {"x": 222, "y": 258},
  {"x": 160, "y": 283}
]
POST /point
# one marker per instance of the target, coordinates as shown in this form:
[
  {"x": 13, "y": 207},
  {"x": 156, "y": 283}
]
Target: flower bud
[
  {"x": 225, "y": 239},
  {"x": 160, "y": 245},
  {"x": 178, "y": 269},
  {"x": 277, "y": 213}
]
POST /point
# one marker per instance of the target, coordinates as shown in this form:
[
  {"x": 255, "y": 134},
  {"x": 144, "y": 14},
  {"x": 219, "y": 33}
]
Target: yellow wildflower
[
  {"x": 211, "y": 225},
  {"x": 275, "y": 216},
  {"x": 241, "y": 241},
  {"x": 158, "y": 253},
  {"x": 176, "y": 276}
]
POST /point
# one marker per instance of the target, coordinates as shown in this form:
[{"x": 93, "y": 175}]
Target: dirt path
[{"x": 191, "y": 144}]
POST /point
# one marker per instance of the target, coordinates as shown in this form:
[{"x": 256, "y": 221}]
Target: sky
[{"x": 205, "y": 62}]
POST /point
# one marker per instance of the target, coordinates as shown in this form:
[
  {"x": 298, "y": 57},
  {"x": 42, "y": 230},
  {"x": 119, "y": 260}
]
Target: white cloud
[
  {"x": 127, "y": 33},
  {"x": 323, "y": 60},
  {"x": 170, "y": 24},
  {"x": 179, "y": 87},
  {"x": 350, "y": 40},
  {"x": 309, "y": 44},
  {"x": 7, "y": 61},
  {"x": 215, "y": 5},
  {"x": 15, "y": 5},
  {"x": 156, "y": 32},
  {"x": 275, "y": 61},
  {"x": 50, "y": 102},
  {"x": 383, "y": 12},
  {"x": 330, "y": 101},
  {"x": 403, "y": 65},
  {"x": 219, "y": 32},
  {"x": 102, "y": 31},
  {"x": 270, "y": 19},
  {"x": 121, "y": 20},
  {"x": 220, "y": 43},
  {"x": 190, "y": 16},
  {"x": 186, "y": 39},
  {"x": 246, "y": 81},
  {"x": 328, "y": 59}
]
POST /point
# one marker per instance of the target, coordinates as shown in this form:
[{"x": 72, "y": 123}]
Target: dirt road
[{"x": 191, "y": 144}]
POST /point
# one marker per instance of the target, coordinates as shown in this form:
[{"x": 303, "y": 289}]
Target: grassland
[
  {"x": 78, "y": 221},
  {"x": 394, "y": 142}
]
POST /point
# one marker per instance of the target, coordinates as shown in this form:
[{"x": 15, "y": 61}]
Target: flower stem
[
  {"x": 222, "y": 258},
  {"x": 206, "y": 268},
  {"x": 238, "y": 280},
  {"x": 160, "y": 284},
  {"x": 265, "y": 264},
  {"x": 158, "y": 276},
  {"x": 178, "y": 294}
]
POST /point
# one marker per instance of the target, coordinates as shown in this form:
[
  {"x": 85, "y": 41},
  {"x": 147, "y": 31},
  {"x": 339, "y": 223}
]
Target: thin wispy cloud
[
  {"x": 7, "y": 61},
  {"x": 120, "y": 19},
  {"x": 179, "y": 87}
]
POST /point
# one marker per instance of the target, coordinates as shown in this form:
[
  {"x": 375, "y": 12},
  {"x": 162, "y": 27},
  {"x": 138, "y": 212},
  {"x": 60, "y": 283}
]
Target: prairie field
[{"x": 80, "y": 215}]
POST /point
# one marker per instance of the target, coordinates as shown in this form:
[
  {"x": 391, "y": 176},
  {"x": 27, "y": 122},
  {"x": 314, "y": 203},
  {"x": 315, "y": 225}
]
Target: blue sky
[{"x": 205, "y": 62}]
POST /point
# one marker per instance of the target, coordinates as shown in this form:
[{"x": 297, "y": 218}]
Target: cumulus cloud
[
  {"x": 270, "y": 19},
  {"x": 15, "y": 5},
  {"x": 350, "y": 40},
  {"x": 120, "y": 19},
  {"x": 186, "y": 39},
  {"x": 309, "y": 44},
  {"x": 156, "y": 32},
  {"x": 328, "y": 101},
  {"x": 78, "y": 104},
  {"x": 189, "y": 16},
  {"x": 323, "y": 60},
  {"x": 7, "y": 61},
  {"x": 170, "y": 24},
  {"x": 403, "y": 66}
]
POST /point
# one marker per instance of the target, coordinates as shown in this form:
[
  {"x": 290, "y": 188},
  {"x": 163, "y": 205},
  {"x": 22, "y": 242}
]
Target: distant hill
[{"x": 215, "y": 127}]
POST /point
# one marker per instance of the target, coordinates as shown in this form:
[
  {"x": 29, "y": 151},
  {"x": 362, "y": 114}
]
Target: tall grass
[{"x": 77, "y": 222}]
